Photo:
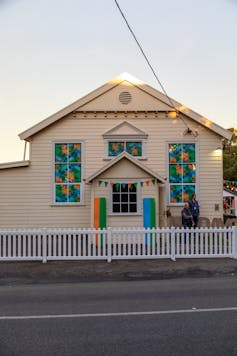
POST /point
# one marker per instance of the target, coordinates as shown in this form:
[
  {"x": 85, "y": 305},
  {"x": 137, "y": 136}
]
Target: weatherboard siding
[{"x": 26, "y": 193}]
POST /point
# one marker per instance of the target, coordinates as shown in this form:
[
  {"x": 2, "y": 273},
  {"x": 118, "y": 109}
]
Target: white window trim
[
  {"x": 168, "y": 203},
  {"x": 106, "y": 145},
  {"x": 82, "y": 184},
  {"x": 139, "y": 198}
]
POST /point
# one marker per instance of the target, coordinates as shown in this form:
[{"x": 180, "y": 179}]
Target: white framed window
[
  {"x": 67, "y": 173},
  {"x": 125, "y": 198},
  {"x": 182, "y": 171}
]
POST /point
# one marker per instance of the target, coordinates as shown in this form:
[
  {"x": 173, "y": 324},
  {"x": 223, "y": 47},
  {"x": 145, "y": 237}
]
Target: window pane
[
  {"x": 115, "y": 148},
  {"x": 133, "y": 198},
  {"x": 61, "y": 171},
  {"x": 74, "y": 173},
  {"x": 74, "y": 193},
  {"x": 61, "y": 193},
  {"x": 189, "y": 173},
  {"x": 116, "y": 208},
  {"x": 124, "y": 208},
  {"x": 133, "y": 208},
  {"x": 133, "y": 188},
  {"x": 175, "y": 152},
  {"x": 124, "y": 187},
  {"x": 74, "y": 152},
  {"x": 188, "y": 154},
  {"x": 124, "y": 198},
  {"x": 116, "y": 198},
  {"x": 134, "y": 148},
  {"x": 175, "y": 173},
  {"x": 61, "y": 152},
  {"x": 176, "y": 193},
  {"x": 188, "y": 191}
]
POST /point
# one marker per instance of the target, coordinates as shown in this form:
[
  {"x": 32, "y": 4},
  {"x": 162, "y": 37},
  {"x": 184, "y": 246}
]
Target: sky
[{"x": 54, "y": 52}]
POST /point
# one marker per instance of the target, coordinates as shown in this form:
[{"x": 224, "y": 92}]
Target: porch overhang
[{"x": 131, "y": 159}]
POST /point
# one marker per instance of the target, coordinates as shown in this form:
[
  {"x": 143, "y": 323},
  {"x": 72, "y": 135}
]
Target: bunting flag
[
  {"x": 230, "y": 185},
  {"x": 142, "y": 183}
]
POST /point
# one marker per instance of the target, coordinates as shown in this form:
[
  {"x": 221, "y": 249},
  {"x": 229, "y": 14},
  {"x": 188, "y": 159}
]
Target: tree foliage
[{"x": 230, "y": 157}]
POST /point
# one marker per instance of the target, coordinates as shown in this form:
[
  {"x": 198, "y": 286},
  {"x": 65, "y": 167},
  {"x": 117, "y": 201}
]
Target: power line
[
  {"x": 144, "y": 55},
  {"x": 188, "y": 130}
]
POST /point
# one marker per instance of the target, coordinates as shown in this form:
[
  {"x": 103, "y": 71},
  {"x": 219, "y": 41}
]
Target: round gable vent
[{"x": 125, "y": 97}]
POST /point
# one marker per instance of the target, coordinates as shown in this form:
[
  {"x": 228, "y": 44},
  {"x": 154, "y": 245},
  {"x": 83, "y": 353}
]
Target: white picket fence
[{"x": 117, "y": 243}]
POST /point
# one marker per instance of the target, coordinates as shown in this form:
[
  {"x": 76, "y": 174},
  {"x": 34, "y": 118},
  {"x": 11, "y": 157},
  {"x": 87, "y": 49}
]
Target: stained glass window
[
  {"x": 67, "y": 173},
  {"x": 182, "y": 171},
  {"x": 132, "y": 147}
]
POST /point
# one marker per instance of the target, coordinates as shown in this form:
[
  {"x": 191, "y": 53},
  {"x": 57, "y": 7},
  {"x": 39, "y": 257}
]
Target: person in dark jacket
[
  {"x": 187, "y": 218},
  {"x": 195, "y": 209}
]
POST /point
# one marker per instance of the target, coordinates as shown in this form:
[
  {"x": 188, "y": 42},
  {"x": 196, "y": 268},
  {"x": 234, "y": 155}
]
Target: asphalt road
[{"x": 162, "y": 317}]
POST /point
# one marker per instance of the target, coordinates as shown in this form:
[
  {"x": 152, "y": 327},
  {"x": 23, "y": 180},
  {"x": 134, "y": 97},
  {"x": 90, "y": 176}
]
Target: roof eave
[
  {"x": 132, "y": 160},
  {"x": 16, "y": 164}
]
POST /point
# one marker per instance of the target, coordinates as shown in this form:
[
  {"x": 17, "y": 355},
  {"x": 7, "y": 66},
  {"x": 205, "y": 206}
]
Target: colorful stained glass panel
[
  {"x": 61, "y": 152},
  {"x": 61, "y": 193},
  {"x": 61, "y": 171},
  {"x": 175, "y": 173},
  {"x": 74, "y": 173},
  {"x": 188, "y": 152},
  {"x": 175, "y": 152},
  {"x": 67, "y": 170},
  {"x": 74, "y": 152},
  {"x": 188, "y": 191},
  {"x": 74, "y": 193},
  {"x": 115, "y": 148},
  {"x": 175, "y": 193},
  {"x": 134, "y": 148},
  {"x": 189, "y": 173}
]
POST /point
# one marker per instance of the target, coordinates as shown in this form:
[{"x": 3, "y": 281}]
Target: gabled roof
[
  {"x": 133, "y": 160},
  {"x": 131, "y": 130},
  {"x": 126, "y": 80}
]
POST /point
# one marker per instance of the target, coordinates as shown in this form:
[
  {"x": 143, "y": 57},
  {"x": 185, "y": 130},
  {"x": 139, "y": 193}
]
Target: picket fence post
[
  {"x": 173, "y": 243},
  {"x": 44, "y": 252},
  {"x": 109, "y": 233},
  {"x": 234, "y": 241}
]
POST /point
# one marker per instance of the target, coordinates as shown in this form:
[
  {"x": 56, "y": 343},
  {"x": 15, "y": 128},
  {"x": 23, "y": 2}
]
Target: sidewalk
[{"x": 83, "y": 271}]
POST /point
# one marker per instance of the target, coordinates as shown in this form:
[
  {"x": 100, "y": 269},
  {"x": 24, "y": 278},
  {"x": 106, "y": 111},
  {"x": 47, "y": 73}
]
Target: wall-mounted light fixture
[
  {"x": 189, "y": 131},
  {"x": 218, "y": 151}
]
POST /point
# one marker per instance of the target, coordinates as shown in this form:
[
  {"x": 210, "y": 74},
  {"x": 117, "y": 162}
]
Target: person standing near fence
[
  {"x": 195, "y": 209},
  {"x": 187, "y": 218}
]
